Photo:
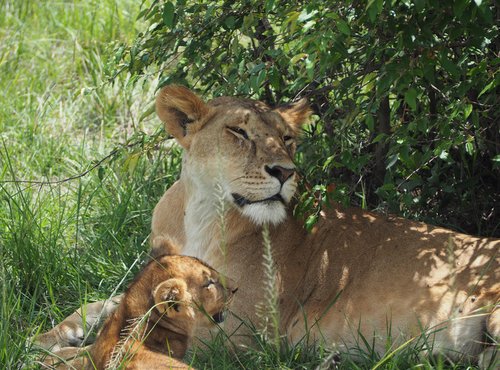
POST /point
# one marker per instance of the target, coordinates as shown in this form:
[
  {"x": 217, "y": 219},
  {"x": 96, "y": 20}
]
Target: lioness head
[
  {"x": 188, "y": 291},
  {"x": 239, "y": 148}
]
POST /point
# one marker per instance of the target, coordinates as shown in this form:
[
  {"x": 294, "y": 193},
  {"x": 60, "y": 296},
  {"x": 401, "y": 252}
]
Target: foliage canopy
[{"x": 405, "y": 92}]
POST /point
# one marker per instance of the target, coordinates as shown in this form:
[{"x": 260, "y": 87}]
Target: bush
[{"x": 405, "y": 92}]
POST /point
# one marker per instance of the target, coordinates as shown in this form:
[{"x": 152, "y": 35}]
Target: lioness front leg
[
  {"x": 72, "y": 331},
  {"x": 490, "y": 357}
]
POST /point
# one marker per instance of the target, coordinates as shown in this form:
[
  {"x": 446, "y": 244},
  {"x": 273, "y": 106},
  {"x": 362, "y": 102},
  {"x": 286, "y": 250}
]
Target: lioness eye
[
  {"x": 288, "y": 139},
  {"x": 238, "y": 131}
]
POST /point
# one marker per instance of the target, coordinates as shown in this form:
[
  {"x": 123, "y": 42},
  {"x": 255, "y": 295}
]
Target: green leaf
[
  {"x": 419, "y": 5},
  {"x": 148, "y": 112},
  {"x": 257, "y": 68},
  {"x": 291, "y": 21},
  {"x": 379, "y": 137},
  {"x": 257, "y": 80},
  {"x": 130, "y": 163},
  {"x": 298, "y": 57},
  {"x": 305, "y": 15},
  {"x": 274, "y": 78},
  {"x": 384, "y": 83},
  {"x": 374, "y": 8},
  {"x": 411, "y": 98},
  {"x": 372, "y": 13},
  {"x": 310, "y": 67},
  {"x": 392, "y": 160},
  {"x": 311, "y": 221},
  {"x": 248, "y": 22},
  {"x": 370, "y": 122},
  {"x": 467, "y": 110},
  {"x": 487, "y": 88},
  {"x": 168, "y": 14},
  {"x": 469, "y": 147},
  {"x": 269, "y": 5},
  {"x": 230, "y": 21},
  {"x": 429, "y": 70},
  {"x": 459, "y": 7},
  {"x": 388, "y": 187},
  {"x": 100, "y": 173},
  {"x": 449, "y": 66},
  {"x": 261, "y": 77},
  {"x": 496, "y": 158},
  {"x": 343, "y": 27}
]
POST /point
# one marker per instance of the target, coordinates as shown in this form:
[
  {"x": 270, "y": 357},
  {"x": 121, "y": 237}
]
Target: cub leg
[
  {"x": 70, "y": 332},
  {"x": 73, "y": 358},
  {"x": 144, "y": 359}
]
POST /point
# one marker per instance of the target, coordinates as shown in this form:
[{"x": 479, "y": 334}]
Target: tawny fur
[
  {"x": 356, "y": 273},
  {"x": 156, "y": 318}
]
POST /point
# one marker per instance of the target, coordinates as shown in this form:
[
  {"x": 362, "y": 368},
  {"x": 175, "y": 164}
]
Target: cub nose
[{"x": 281, "y": 173}]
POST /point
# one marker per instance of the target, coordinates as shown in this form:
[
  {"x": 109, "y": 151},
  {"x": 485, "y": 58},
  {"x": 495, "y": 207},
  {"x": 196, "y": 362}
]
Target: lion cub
[{"x": 157, "y": 315}]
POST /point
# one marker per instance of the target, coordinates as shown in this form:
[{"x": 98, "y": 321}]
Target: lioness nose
[{"x": 281, "y": 173}]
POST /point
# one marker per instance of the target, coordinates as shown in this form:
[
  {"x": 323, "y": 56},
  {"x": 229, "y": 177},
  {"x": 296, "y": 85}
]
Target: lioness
[
  {"x": 357, "y": 273},
  {"x": 353, "y": 274},
  {"x": 157, "y": 316}
]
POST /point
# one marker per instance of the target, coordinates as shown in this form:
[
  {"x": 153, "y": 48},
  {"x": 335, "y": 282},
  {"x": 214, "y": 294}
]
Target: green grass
[{"x": 64, "y": 243}]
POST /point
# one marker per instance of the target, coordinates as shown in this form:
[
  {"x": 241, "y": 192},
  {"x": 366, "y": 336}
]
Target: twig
[
  {"x": 55, "y": 182},
  {"x": 415, "y": 171},
  {"x": 74, "y": 177}
]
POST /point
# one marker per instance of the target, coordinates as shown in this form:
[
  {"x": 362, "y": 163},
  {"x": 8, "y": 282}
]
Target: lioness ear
[
  {"x": 170, "y": 295},
  {"x": 295, "y": 114},
  {"x": 181, "y": 111}
]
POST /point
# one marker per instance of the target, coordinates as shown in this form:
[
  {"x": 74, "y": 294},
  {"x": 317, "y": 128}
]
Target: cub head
[
  {"x": 238, "y": 149},
  {"x": 191, "y": 293}
]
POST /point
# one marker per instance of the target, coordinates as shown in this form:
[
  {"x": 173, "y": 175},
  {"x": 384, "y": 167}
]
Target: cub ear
[
  {"x": 170, "y": 295},
  {"x": 181, "y": 111},
  {"x": 295, "y": 114},
  {"x": 163, "y": 245}
]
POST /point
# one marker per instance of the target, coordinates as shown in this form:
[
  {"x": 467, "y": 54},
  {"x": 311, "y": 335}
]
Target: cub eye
[
  {"x": 210, "y": 282},
  {"x": 238, "y": 131}
]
